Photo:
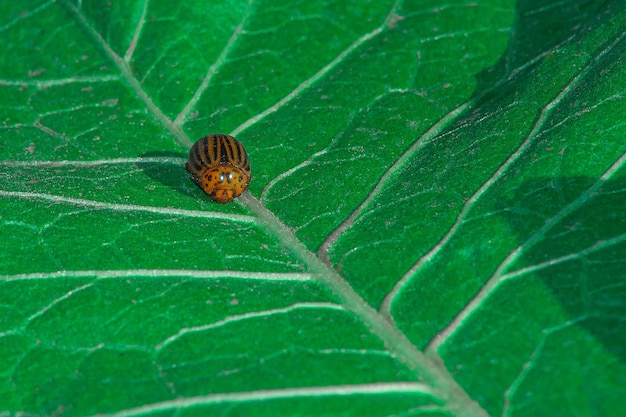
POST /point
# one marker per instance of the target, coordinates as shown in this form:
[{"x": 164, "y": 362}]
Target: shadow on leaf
[
  {"x": 575, "y": 238},
  {"x": 168, "y": 168},
  {"x": 540, "y": 26}
]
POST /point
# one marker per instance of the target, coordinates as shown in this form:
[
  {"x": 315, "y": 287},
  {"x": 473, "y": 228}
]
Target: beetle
[{"x": 219, "y": 164}]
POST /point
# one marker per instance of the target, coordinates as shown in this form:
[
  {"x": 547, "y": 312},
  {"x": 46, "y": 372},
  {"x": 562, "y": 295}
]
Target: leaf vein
[
  {"x": 213, "y": 69},
  {"x": 80, "y": 202},
  {"x": 140, "y": 25},
  {"x": 246, "y": 316},
  {"x": 158, "y": 273},
  {"x": 525, "y": 145},
  {"x": 267, "y": 395}
]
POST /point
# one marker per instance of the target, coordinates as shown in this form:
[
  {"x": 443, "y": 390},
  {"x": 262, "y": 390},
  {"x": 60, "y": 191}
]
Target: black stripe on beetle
[{"x": 219, "y": 164}]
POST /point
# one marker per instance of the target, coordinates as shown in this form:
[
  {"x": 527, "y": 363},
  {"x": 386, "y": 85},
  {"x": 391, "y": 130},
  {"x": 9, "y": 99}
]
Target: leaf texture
[{"x": 435, "y": 223}]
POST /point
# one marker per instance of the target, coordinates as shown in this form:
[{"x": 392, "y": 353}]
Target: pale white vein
[
  {"x": 160, "y": 273},
  {"x": 392, "y": 171},
  {"x": 521, "y": 150},
  {"x": 213, "y": 69},
  {"x": 94, "y": 162},
  {"x": 498, "y": 276},
  {"x": 530, "y": 365},
  {"x": 596, "y": 247},
  {"x": 41, "y": 84},
  {"x": 380, "y": 388},
  {"x": 456, "y": 398},
  {"x": 58, "y": 300},
  {"x": 128, "y": 75},
  {"x": 311, "y": 80},
  {"x": 284, "y": 175},
  {"x": 435, "y": 130},
  {"x": 526, "y": 369},
  {"x": 81, "y": 202},
  {"x": 248, "y": 316},
  {"x": 137, "y": 33}
]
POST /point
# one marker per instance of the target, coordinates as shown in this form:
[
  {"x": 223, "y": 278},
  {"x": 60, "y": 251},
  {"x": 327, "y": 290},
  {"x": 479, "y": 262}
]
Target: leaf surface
[{"x": 435, "y": 224}]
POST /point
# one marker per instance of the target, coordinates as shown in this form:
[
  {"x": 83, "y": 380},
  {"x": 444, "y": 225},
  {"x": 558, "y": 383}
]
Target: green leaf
[{"x": 435, "y": 223}]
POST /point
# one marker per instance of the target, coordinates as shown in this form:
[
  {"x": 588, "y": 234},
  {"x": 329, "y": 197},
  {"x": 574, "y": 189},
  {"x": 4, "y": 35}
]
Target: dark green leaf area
[
  {"x": 13, "y": 347},
  {"x": 351, "y": 150},
  {"x": 586, "y": 217},
  {"x": 143, "y": 340},
  {"x": 77, "y": 120},
  {"x": 156, "y": 182},
  {"x": 297, "y": 40},
  {"x": 565, "y": 278},
  {"x": 550, "y": 218},
  {"x": 460, "y": 166},
  {"x": 540, "y": 30},
  {"x": 72, "y": 382},
  {"x": 562, "y": 295},
  {"x": 341, "y": 175},
  {"x": 523, "y": 338},
  {"x": 75, "y": 238},
  {"x": 476, "y": 163},
  {"x": 161, "y": 305},
  {"x": 29, "y": 29},
  {"x": 273, "y": 356},
  {"x": 115, "y": 22}
]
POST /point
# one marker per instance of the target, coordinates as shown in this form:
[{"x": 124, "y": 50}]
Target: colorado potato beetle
[{"x": 219, "y": 165}]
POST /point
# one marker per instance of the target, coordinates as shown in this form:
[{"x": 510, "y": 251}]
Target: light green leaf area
[{"x": 435, "y": 226}]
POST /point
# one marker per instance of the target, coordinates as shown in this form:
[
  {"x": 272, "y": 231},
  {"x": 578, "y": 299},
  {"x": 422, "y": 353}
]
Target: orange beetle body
[{"x": 219, "y": 165}]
